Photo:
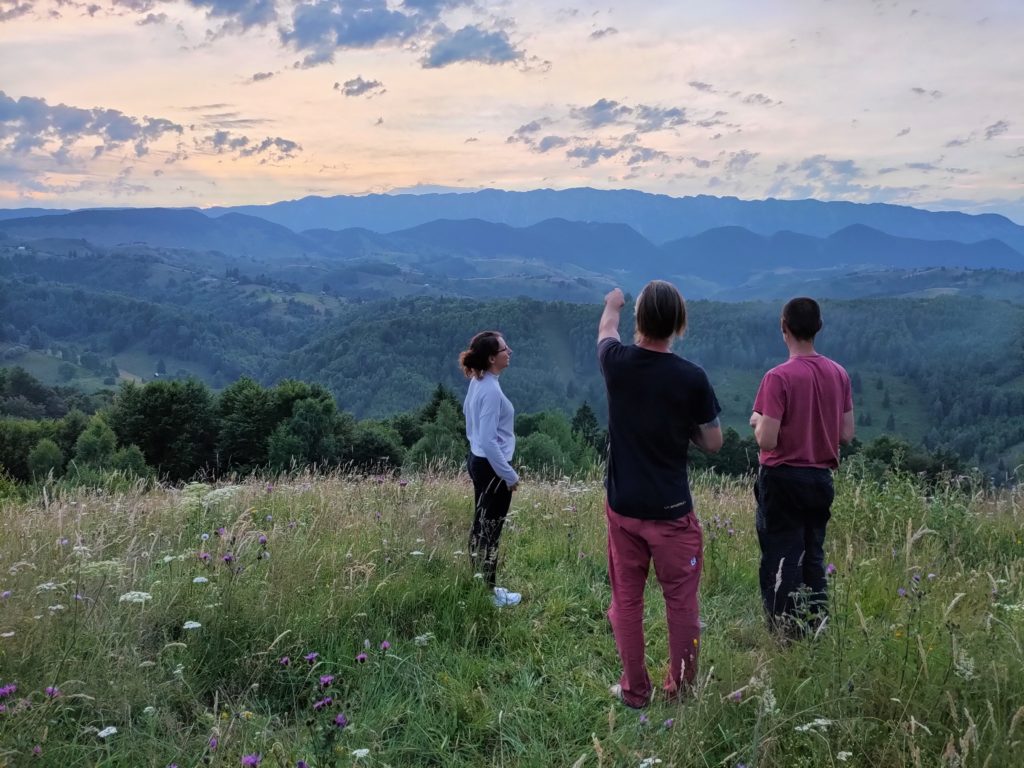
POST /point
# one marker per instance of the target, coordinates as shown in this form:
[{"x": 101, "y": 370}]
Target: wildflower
[
  {"x": 917, "y": 578},
  {"x": 402, "y": 483},
  {"x": 422, "y": 640},
  {"x": 385, "y": 645},
  {"x": 830, "y": 569},
  {"x": 284, "y": 661},
  {"x": 37, "y": 750},
  {"x": 222, "y": 531},
  {"x": 52, "y": 692},
  {"x": 191, "y": 625},
  {"x": 200, "y": 580},
  {"x": 293, "y": 524},
  {"x": 135, "y": 597},
  {"x": 302, "y": 764},
  {"x": 736, "y": 696},
  {"x": 361, "y": 658},
  {"x": 647, "y": 762},
  {"x": 359, "y": 754},
  {"x": 340, "y": 720},
  {"x": 149, "y": 711},
  {"x": 262, "y": 539},
  {"x": 106, "y": 732},
  {"x": 247, "y": 715},
  {"x": 228, "y": 557},
  {"x": 842, "y": 757},
  {"x": 644, "y": 720},
  {"x": 326, "y": 680},
  {"x": 366, "y": 643},
  {"x": 931, "y": 577},
  {"x": 669, "y": 723},
  {"x": 213, "y": 743},
  {"x": 204, "y": 537},
  {"x": 251, "y": 759},
  {"x": 311, "y": 657},
  {"x": 326, "y": 701},
  {"x": 901, "y": 592},
  {"x": 8, "y": 690},
  {"x": 5, "y": 594},
  {"x": 416, "y": 553}
]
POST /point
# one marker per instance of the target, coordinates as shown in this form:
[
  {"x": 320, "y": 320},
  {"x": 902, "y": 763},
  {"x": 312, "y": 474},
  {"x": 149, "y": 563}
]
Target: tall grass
[{"x": 920, "y": 664}]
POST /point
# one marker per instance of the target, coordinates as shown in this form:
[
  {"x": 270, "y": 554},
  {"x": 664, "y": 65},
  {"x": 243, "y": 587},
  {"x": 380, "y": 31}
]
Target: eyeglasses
[{"x": 504, "y": 349}]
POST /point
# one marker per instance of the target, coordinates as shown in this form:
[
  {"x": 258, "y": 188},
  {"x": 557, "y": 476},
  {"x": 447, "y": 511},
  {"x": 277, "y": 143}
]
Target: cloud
[
  {"x": 270, "y": 149},
  {"x": 903, "y": 132},
  {"x": 655, "y": 118},
  {"x": 259, "y": 77},
  {"x": 606, "y": 32},
  {"x": 705, "y": 87},
  {"x": 223, "y": 141},
  {"x": 640, "y": 155},
  {"x": 925, "y": 92},
  {"x": 959, "y": 142},
  {"x": 601, "y": 112},
  {"x": 996, "y": 129},
  {"x": 738, "y": 161},
  {"x": 239, "y": 15},
  {"x": 471, "y": 44},
  {"x": 277, "y": 148},
  {"x": 551, "y": 142},
  {"x": 358, "y": 86},
  {"x": 30, "y": 124},
  {"x": 1018, "y": 153},
  {"x": 323, "y": 26},
  {"x": 12, "y": 9},
  {"x": 759, "y": 99},
  {"x": 152, "y": 18},
  {"x": 589, "y": 154}
]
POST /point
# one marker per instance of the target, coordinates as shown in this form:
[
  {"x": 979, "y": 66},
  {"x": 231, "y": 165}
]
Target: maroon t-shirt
[{"x": 808, "y": 394}]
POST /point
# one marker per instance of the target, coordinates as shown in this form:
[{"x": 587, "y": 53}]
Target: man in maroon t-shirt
[{"x": 802, "y": 412}]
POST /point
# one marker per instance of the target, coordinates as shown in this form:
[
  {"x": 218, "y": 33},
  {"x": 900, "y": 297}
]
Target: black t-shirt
[{"x": 656, "y": 402}]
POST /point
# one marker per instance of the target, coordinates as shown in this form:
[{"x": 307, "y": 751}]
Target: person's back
[
  {"x": 657, "y": 404},
  {"x": 802, "y": 412}
]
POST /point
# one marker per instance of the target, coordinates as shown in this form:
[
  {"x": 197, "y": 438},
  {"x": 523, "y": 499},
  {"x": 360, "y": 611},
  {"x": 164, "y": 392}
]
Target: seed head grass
[{"x": 348, "y": 627}]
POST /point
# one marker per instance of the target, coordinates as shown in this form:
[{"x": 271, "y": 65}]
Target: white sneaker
[{"x": 503, "y": 597}]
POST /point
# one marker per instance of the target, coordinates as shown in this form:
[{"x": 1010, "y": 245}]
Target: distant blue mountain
[{"x": 659, "y": 218}]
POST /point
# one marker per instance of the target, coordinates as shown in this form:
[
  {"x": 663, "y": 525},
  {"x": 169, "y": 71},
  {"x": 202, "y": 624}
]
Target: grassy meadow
[{"x": 334, "y": 621}]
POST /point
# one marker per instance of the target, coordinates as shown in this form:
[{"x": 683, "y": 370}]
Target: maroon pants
[{"x": 677, "y": 548}]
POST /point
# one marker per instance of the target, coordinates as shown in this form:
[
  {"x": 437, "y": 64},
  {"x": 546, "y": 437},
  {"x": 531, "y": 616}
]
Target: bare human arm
[
  {"x": 608, "y": 328},
  {"x": 708, "y": 437},
  {"x": 766, "y": 430},
  {"x": 847, "y": 428}
]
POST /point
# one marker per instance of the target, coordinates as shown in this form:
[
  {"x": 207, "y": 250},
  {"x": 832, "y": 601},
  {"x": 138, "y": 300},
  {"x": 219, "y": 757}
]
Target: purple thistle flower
[
  {"x": 669, "y": 723},
  {"x": 326, "y": 680},
  {"x": 302, "y": 764},
  {"x": 736, "y": 696},
  {"x": 385, "y": 645},
  {"x": 361, "y": 658},
  {"x": 270, "y": 487},
  {"x": 251, "y": 759},
  {"x": 213, "y": 743},
  {"x": 326, "y": 701},
  {"x": 262, "y": 539},
  {"x": 5, "y": 594},
  {"x": 204, "y": 556},
  {"x": 340, "y": 720},
  {"x": 402, "y": 483},
  {"x": 643, "y": 720},
  {"x": 222, "y": 531},
  {"x": 830, "y": 569},
  {"x": 284, "y": 661},
  {"x": 917, "y": 578},
  {"x": 311, "y": 657},
  {"x": 8, "y": 690},
  {"x": 901, "y": 592},
  {"x": 52, "y": 691},
  {"x": 37, "y": 750},
  {"x": 228, "y": 557}
]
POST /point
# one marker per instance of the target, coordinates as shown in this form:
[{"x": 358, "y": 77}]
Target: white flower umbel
[
  {"x": 107, "y": 732},
  {"x": 200, "y": 580},
  {"x": 359, "y": 754},
  {"x": 135, "y": 597},
  {"x": 191, "y": 625}
]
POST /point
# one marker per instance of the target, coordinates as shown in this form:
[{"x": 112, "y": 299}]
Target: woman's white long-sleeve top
[{"x": 490, "y": 420}]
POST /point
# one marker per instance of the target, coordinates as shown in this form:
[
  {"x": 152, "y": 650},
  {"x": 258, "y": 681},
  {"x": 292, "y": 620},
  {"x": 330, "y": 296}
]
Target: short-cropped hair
[
  {"x": 802, "y": 317},
  {"x": 660, "y": 311}
]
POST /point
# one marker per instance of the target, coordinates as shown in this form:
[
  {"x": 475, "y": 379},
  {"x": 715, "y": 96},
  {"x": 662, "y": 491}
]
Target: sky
[{"x": 230, "y": 102}]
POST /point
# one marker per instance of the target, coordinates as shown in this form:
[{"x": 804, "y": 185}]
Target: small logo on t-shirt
[{"x": 693, "y": 562}]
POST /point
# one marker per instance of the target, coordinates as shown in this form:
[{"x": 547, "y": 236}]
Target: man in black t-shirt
[{"x": 657, "y": 404}]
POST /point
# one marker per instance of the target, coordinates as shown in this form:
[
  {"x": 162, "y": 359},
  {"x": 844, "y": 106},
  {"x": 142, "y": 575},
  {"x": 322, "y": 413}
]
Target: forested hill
[{"x": 948, "y": 372}]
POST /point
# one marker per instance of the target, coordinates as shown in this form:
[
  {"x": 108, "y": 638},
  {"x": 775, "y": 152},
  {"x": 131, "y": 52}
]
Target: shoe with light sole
[
  {"x": 616, "y": 691},
  {"x": 502, "y": 597}
]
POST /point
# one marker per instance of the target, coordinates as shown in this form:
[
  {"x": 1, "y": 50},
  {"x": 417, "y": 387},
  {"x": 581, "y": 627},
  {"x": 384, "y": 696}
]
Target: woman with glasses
[{"x": 492, "y": 442}]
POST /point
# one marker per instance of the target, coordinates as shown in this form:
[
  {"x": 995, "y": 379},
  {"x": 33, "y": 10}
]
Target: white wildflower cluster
[
  {"x": 191, "y": 625},
  {"x": 842, "y": 757},
  {"x": 817, "y": 724},
  {"x": 963, "y": 665},
  {"x": 647, "y": 762},
  {"x": 220, "y": 495},
  {"x": 135, "y": 597},
  {"x": 423, "y": 639},
  {"x": 761, "y": 685},
  {"x": 1011, "y": 607},
  {"x": 48, "y": 586}
]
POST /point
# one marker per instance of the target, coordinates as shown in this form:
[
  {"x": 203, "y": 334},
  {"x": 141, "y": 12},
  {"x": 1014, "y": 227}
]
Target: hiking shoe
[
  {"x": 503, "y": 597},
  {"x": 616, "y": 691}
]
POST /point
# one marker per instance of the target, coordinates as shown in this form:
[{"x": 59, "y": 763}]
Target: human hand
[
  {"x": 755, "y": 417},
  {"x": 615, "y": 298},
  {"x": 513, "y": 486}
]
